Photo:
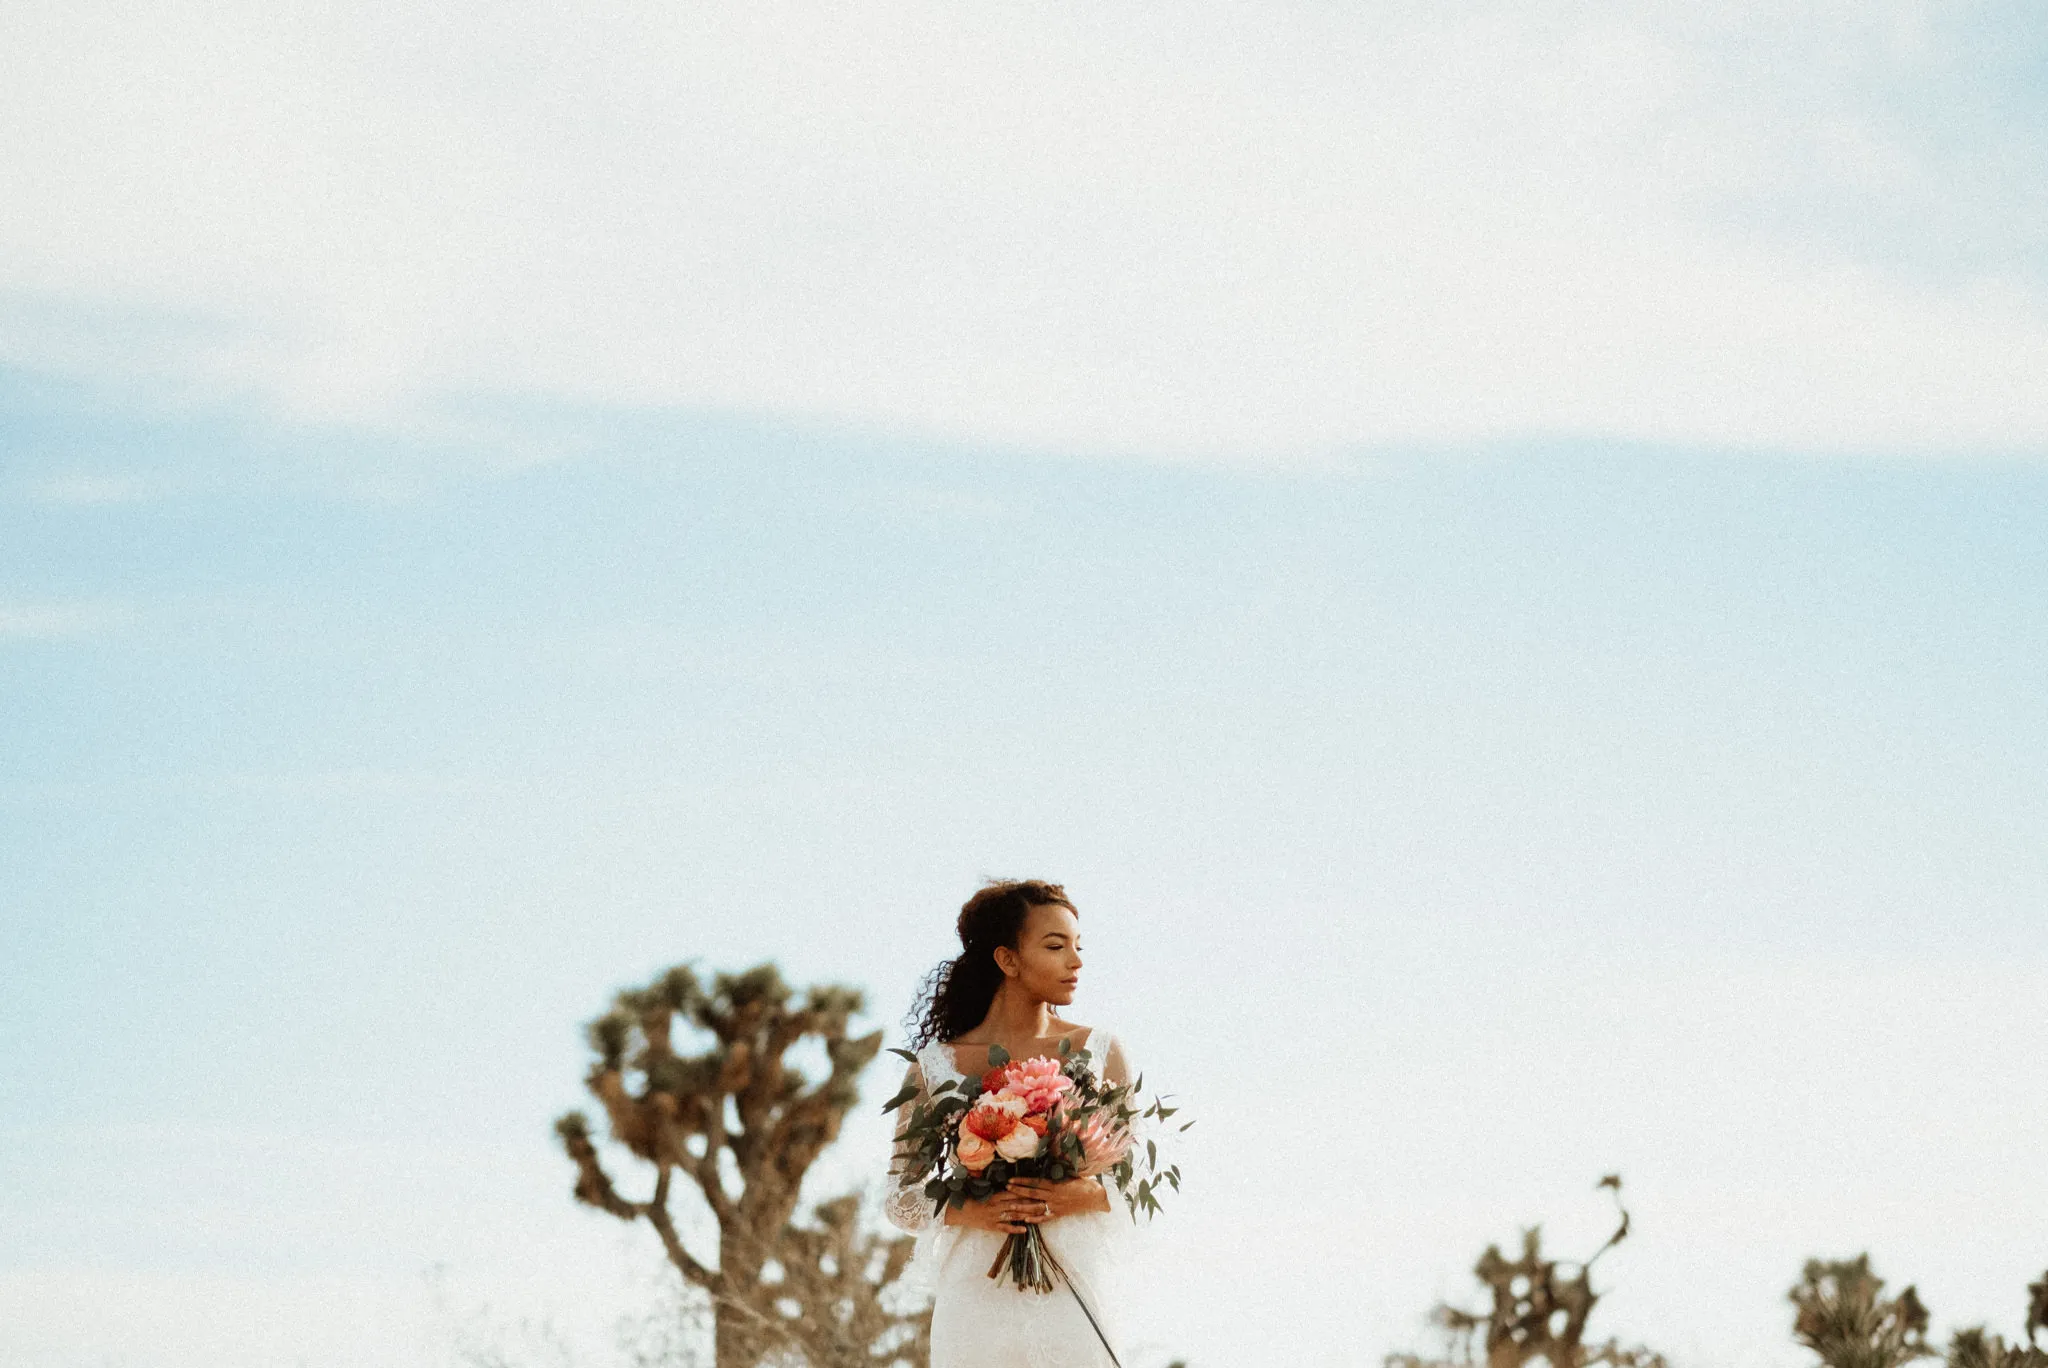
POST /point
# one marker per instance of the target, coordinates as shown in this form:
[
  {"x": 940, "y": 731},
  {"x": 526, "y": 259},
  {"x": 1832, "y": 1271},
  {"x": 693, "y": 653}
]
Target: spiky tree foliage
[
  {"x": 1977, "y": 1348},
  {"x": 1844, "y": 1317},
  {"x": 1974, "y": 1348},
  {"x": 742, "y": 1127},
  {"x": 1539, "y": 1311}
]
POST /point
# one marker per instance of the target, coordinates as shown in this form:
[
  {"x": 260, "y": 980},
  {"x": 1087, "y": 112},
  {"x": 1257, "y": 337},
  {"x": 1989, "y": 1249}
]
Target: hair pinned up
[{"x": 957, "y": 993}]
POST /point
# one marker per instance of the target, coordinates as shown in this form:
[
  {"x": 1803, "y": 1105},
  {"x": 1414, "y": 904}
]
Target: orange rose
[{"x": 974, "y": 1153}]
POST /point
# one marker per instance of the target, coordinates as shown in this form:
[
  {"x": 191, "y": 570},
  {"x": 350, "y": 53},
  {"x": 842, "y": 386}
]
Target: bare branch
[
  {"x": 593, "y": 1185},
  {"x": 672, "y": 1243}
]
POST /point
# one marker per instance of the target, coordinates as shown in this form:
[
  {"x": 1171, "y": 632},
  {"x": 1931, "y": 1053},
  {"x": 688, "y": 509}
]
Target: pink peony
[{"x": 1038, "y": 1081}]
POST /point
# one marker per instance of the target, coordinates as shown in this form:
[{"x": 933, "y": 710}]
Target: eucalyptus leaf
[{"x": 997, "y": 1056}]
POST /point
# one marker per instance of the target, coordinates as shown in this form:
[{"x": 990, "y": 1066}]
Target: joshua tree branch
[
  {"x": 705, "y": 1169},
  {"x": 593, "y": 1184},
  {"x": 594, "y": 1187},
  {"x": 658, "y": 1217}
]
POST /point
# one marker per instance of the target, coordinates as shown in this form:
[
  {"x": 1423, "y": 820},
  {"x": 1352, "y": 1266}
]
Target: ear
[{"x": 1009, "y": 965}]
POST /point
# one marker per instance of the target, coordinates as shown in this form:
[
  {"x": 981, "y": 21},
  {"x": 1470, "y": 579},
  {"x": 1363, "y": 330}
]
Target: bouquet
[{"x": 1031, "y": 1118}]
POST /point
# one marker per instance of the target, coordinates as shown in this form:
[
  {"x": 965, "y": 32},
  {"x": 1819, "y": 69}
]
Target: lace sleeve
[
  {"x": 905, "y": 1204},
  {"x": 1116, "y": 1064}
]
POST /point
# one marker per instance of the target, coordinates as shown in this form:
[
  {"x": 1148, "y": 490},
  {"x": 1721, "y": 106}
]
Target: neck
[{"x": 1016, "y": 1015}]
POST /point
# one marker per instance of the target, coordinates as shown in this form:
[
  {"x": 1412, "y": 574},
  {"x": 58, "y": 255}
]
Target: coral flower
[
  {"x": 992, "y": 1118},
  {"x": 988, "y": 1124}
]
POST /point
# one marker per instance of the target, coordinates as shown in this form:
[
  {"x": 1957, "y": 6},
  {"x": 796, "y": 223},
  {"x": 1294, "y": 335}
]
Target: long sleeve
[
  {"x": 905, "y": 1204},
  {"x": 1116, "y": 1065},
  {"x": 1155, "y": 1141}
]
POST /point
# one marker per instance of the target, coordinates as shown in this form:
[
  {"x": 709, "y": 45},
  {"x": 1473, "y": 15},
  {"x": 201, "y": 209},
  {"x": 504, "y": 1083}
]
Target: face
[{"x": 1047, "y": 960}]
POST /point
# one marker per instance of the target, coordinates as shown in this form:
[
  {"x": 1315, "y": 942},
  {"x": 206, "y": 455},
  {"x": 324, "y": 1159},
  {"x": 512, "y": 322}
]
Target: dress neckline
[{"x": 946, "y": 1052}]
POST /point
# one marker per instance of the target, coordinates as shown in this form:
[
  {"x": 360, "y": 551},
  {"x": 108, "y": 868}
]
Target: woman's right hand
[{"x": 1008, "y": 1212}]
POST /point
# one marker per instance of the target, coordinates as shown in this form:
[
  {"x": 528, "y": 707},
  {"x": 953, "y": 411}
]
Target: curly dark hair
[{"x": 957, "y": 992}]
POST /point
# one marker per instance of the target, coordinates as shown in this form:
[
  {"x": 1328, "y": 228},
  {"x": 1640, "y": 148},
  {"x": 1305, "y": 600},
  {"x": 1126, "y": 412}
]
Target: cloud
[
  {"x": 56, "y": 621},
  {"x": 1233, "y": 230},
  {"x": 87, "y": 489}
]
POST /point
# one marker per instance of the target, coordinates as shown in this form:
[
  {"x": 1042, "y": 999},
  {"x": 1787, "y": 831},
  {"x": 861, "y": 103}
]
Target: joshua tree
[
  {"x": 1539, "y": 1311},
  {"x": 1973, "y": 1348},
  {"x": 744, "y": 1127},
  {"x": 1844, "y": 1317}
]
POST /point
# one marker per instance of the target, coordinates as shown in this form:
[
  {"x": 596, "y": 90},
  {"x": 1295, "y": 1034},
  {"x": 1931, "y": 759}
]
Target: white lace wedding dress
[{"x": 978, "y": 1322}]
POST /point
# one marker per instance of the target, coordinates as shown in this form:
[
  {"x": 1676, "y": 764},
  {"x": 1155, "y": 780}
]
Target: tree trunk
[{"x": 738, "y": 1312}]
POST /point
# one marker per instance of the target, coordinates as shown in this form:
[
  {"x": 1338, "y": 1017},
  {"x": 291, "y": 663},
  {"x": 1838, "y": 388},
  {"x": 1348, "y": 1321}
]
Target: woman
[{"x": 1020, "y": 958}]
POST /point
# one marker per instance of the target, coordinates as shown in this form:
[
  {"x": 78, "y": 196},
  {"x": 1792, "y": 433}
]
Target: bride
[{"x": 1020, "y": 959}]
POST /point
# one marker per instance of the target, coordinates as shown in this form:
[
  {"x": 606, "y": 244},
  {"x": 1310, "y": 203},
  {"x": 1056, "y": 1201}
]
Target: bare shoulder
[{"x": 1082, "y": 1034}]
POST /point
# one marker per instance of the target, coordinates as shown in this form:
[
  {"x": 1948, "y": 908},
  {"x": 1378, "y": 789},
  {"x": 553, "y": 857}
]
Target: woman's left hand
[{"x": 1069, "y": 1198}]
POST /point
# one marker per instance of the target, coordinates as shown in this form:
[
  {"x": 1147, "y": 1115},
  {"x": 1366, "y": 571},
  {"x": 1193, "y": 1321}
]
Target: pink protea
[
  {"x": 1038, "y": 1081},
  {"x": 1104, "y": 1143}
]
